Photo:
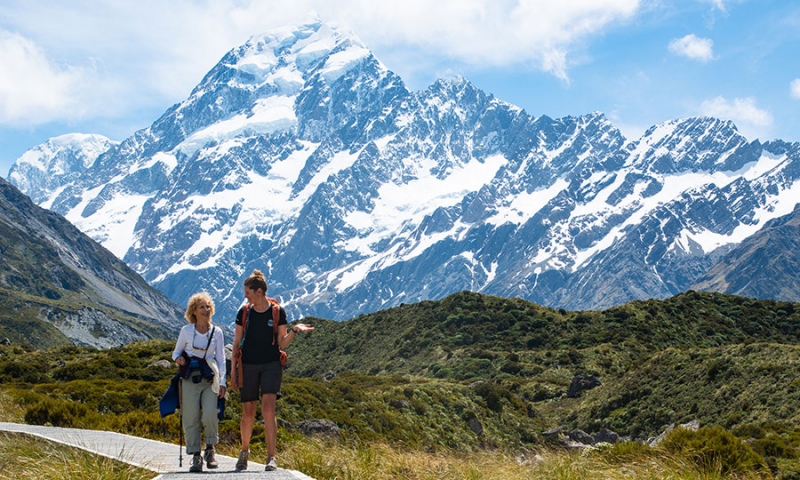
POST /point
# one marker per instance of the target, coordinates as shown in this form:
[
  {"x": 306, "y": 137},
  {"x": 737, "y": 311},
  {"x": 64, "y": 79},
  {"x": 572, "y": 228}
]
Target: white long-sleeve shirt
[{"x": 194, "y": 344}]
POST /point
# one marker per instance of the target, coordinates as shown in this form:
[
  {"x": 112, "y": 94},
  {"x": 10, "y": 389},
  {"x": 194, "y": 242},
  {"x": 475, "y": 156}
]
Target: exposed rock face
[
  {"x": 73, "y": 283},
  {"x": 475, "y": 425},
  {"x": 317, "y": 427},
  {"x": 580, "y": 383},
  {"x": 605, "y": 435},
  {"x": 581, "y": 437},
  {"x": 302, "y": 155},
  {"x": 90, "y": 327}
]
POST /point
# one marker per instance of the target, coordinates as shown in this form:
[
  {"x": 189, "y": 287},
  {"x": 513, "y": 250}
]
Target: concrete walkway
[{"x": 159, "y": 457}]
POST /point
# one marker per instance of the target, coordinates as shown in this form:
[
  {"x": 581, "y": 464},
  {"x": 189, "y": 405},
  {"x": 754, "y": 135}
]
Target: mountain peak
[
  {"x": 45, "y": 166},
  {"x": 301, "y": 45},
  {"x": 302, "y": 155},
  {"x": 279, "y": 60},
  {"x": 691, "y": 144}
]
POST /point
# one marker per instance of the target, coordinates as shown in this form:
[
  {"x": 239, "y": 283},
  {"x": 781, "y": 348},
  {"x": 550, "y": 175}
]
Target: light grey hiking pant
[{"x": 199, "y": 410}]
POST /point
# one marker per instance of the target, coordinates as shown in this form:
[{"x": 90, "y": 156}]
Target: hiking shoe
[
  {"x": 211, "y": 460},
  {"x": 197, "y": 463},
  {"x": 241, "y": 464},
  {"x": 272, "y": 465}
]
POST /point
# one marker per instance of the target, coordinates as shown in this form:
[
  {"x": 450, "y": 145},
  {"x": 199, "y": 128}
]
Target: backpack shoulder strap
[
  {"x": 276, "y": 318},
  {"x": 244, "y": 323}
]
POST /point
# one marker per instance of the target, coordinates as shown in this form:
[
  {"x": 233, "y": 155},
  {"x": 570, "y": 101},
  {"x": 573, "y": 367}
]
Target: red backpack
[{"x": 237, "y": 375}]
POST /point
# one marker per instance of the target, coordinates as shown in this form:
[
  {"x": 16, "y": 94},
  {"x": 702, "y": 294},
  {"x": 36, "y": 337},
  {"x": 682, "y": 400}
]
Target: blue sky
[{"x": 113, "y": 67}]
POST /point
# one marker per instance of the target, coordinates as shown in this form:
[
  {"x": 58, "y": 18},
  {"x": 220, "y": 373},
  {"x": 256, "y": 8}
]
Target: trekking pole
[
  {"x": 180, "y": 443},
  {"x": 180, "y": 423}
]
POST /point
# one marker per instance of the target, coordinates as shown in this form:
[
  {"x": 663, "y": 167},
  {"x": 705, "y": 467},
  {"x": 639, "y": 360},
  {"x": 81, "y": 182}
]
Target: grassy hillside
[
  {"x": 731, "y": 386},
  {"x": 475, "y": 373},
  {"x": 20, "y": 323},
  {"x": 469, "y": 335}
]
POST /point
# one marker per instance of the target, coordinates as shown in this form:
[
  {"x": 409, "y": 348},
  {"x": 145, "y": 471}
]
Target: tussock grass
[
  {"x": 23, "y": 457},
  {"x": 10, "y": 410},
  {"x": 325, "y": 460}
]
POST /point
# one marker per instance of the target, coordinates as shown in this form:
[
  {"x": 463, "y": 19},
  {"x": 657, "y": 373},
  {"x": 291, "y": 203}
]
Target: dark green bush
[
  {"x": 749, "y": 430},
  {"x": 57, "y": 413},
  {"x": 492, "y": 395},
  {"x": 75, "y": 371},
  {"x": 773, "y": 446},
  {"x": 21, "y": 371},
  {"x": 713, "y": 449}
]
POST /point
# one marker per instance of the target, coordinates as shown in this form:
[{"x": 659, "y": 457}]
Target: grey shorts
[{"x": 265, "y": 378}]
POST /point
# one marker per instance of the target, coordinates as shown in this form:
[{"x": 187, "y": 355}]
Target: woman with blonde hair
[{"x": 200, "y": 353}]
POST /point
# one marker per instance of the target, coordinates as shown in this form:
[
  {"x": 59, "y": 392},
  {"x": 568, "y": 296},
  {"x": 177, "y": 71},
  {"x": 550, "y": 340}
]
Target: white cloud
[
  {"x": 693, "y": 47},
  {"x": 541, "y": 33},
  {"x": 752, "y": 121},
  {"x": 718, "y": 4},
  {"x": 102, "y": 58},
  {"x": 795, "y": 88},
  {"x": 32, "y": 87}
]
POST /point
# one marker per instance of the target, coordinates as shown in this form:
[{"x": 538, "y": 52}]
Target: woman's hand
[
  {"x": 222, "y": 390},
  {"x": 180, "y": 360},
  {"x": 302, "y": 327}
]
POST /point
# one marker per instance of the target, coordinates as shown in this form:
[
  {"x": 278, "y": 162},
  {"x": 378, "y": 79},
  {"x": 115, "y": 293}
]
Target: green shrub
[
  {"x": 21, "y": 371},
  {"x": 26, "y": 397},
  {"x": 749, "y": 431},
  {"x": 713, "y": 449},
  {"x": 75, "y": 371},
  {"x": 148, "y": 424},
  {"x": 57, "y": 413},
  {"x": 789, "y": 469},
  {"x": 773, "y": 446},
  {"x": 492, "y": 395}
]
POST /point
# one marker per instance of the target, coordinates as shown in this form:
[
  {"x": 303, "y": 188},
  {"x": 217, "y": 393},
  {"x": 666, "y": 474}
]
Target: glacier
[{"x": 302, "y": 155}]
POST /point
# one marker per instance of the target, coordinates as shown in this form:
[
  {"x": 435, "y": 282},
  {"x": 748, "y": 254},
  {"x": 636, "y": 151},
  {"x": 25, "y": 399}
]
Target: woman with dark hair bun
[{"x": 262, "y": 371}]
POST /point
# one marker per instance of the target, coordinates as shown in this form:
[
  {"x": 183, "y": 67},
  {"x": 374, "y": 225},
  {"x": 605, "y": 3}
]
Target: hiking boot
[
  {"x": 197, "y": 463},
  {"x": 241, "y": 464},
  {"x": 211, "y": 460},
  {"x": 272, "y": 465}
]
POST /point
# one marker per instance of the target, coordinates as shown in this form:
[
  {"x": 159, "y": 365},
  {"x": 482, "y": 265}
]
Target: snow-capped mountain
[
  {"x": 43, "y": 169},
  {"x": 302, "y": 155}
]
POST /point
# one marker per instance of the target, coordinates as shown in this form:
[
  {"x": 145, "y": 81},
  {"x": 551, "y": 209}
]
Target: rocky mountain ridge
[
  {"x": 302, "y": 155},
  {"x": 58, "y": 286}
]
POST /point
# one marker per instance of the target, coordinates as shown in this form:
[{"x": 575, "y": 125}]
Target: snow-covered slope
[
  {"x": 43, "y": 169},
  {"x": 300, "y": 154}
]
